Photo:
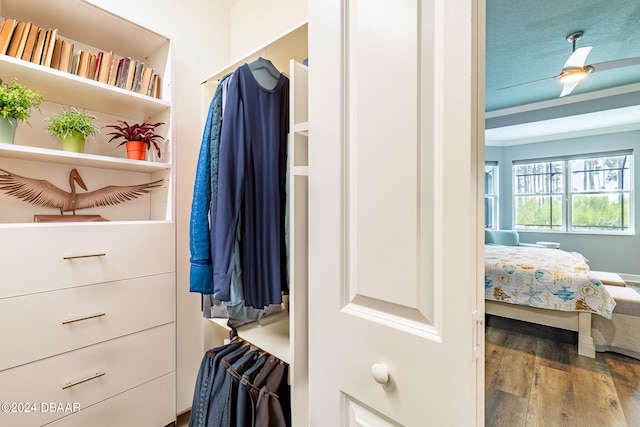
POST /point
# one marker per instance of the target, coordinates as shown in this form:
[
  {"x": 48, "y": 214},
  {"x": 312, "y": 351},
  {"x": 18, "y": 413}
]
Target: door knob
[{"x": 380, "y": 373}]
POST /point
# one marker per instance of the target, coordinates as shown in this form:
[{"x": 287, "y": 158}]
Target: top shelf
[{"x": 85, "y": 22}]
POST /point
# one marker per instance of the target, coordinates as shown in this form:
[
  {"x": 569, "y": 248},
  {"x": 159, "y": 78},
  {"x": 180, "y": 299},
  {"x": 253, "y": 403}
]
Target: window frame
[
  {"x": 568, "y": 193},
  {"x": 495, "y": 196}
]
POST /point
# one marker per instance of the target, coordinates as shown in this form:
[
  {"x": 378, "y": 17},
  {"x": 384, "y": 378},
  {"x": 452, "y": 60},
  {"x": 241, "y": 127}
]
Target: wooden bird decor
[{"x": 40, "y": 192}]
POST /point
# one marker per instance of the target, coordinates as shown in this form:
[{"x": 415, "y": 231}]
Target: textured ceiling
[{"x": 526, "y": 40}]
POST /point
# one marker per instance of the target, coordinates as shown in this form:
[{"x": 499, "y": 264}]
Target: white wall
[
  {"x": 200, "y": 34},
  {"x": 257, "y": 22}
]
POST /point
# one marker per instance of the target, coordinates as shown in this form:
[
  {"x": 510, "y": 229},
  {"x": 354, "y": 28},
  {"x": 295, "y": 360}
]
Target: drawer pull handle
[
  {"x": 77, "y": 319},
  {"x": 92, "y": 377},
  {"x": 83, "y": 256}
]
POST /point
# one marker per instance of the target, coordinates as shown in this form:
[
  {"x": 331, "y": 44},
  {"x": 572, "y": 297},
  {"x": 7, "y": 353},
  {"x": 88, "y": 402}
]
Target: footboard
[{"x": 579, "y": 322}]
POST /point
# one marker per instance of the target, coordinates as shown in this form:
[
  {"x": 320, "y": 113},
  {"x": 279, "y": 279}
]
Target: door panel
[
  {"x": 393, "y": 238},
  {"x": 361, "y": 416},
  {"x": 388, "y": 216}
]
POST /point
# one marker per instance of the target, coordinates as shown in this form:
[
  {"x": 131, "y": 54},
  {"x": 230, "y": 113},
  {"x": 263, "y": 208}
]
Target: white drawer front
[
  {"x": 40, "y": 257},
  {"x": 49, "y": 323},
  {"x": 150, "y": 405},
  {"x": 126, "y": 362}
]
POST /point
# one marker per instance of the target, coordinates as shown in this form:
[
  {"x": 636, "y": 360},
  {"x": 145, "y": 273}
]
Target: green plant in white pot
[
  {"x": 72, "y": 126},
  {"x": 16, "y": 102}
]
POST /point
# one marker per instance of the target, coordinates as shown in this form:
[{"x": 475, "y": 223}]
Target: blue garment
[
  {"x": 251, "y": 186},
  {"x": 201, "y": 271},
  {"x": 204, "y": 384},
  {"x": 245, "y": 413},
  {"x": 218, "y": 400}
]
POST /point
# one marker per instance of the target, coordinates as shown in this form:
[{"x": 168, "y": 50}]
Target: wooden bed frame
[{"x": 578, "y": 321}]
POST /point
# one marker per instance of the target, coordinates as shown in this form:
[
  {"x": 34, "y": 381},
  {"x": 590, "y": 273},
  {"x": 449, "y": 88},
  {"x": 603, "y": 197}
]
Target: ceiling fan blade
[
  {"x": 578, "y": 58},
  {"x": 568, "y": 88},
  {"x": 529, "y": 82},
  {"x": 618, "y": 63}
]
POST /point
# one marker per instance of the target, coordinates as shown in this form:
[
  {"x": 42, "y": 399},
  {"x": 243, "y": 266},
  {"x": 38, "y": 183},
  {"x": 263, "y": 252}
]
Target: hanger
[{"x": 266, "y": 74}]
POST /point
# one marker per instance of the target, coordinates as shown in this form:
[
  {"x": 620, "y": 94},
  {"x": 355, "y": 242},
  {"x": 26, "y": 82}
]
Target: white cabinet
[
  {"x": 89, "y": 300},
  {"x": 283, "y": 334}
]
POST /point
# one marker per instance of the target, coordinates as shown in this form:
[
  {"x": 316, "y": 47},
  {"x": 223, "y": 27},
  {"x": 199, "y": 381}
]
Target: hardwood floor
[{"x": 534, "y": 377}]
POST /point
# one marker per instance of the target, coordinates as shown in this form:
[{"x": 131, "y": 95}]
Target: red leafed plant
[{"x": 144, "y": 132}]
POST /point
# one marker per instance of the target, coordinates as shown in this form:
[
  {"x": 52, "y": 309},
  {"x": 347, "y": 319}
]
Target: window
[
  {"x": 588, "y": 193},
  {"x": 491, "y": 195}
]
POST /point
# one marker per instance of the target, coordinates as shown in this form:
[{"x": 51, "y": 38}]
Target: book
[
  {"x": 47, "y": 51},
  {"x": 154, "y": 90},
  {"x": 91, "y": 67},
  {"x": 105, "y": 67},
  {"x": 55, "y": 56},
  {"x": 131, "y": 71},
  {"x": 39, "y": 46},
  {"x": 75, "y": 60},
  {"x": 17, "y": 39},
  {"x": 6, "y": 31},
  {"x": 123, "y": 70},
  {"x": 23, "y": 40},
  {"x": 66, "y": 56},
  {"x": 83, "y": 63},
  {"x": 113, "y": 73},
  {"x": 30, "y": 42},
  {"x": 145, "y": 80},
  {"x": 121, "y": 64},
  {"x": 47, "y": 36},
  {"x": 96, "y": 68},
  {"x": 135, "y": 86}
]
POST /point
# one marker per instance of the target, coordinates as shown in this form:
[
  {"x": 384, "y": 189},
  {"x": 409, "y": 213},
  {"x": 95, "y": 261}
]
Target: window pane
[
  {"x": 600, "y": 174},
  {"x": 490, "y": 181},
  {"x": 606, "y": 212},
  {"x": 539, "y": 212},
  {"x": 538, "y": 178},
  {"x": 491, "y": 196},
  {"x": 489, "y": 212}
]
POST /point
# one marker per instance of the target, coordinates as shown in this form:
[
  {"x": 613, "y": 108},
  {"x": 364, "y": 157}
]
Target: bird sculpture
[{"x": 42, "y": 193}]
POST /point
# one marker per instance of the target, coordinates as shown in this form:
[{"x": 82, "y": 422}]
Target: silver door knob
[{"x": 380, "y": 373}]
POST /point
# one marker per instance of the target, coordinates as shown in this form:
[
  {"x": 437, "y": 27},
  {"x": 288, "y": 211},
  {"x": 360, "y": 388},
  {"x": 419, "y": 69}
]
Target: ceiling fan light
[{"x": 572, "y": 76}]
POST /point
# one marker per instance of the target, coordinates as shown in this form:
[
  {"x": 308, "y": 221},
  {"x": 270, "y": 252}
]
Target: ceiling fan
[{"x": 575, "y": 70}]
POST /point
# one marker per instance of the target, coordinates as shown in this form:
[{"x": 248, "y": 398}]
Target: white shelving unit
[
  {"x": 282, "y": 334},
  {"x": 35, "y": 154},
  {"x": 298, "y": 237},
  {"x": 66, "y": 285}
]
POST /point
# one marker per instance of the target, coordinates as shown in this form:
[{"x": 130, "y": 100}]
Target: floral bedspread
[{"x": 544, "y": 278}]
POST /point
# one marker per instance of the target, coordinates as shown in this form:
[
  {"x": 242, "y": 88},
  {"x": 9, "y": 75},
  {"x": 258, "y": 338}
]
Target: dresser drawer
[
  {"x": 150, "y": 405},
  {"x": 87, "y": 376},
  {"x": 39, "y": 257},
  {"x": 41, "y": 325}
]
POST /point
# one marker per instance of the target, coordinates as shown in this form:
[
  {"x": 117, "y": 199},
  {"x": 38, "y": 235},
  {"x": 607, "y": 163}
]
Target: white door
[{"x": 395, "y": 225}]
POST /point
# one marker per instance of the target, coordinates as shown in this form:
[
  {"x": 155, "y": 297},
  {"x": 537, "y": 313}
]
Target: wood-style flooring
[{"x": 535, "y": 377}]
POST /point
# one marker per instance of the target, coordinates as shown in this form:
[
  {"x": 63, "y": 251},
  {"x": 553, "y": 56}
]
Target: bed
[{"x": 546, "y": 286}]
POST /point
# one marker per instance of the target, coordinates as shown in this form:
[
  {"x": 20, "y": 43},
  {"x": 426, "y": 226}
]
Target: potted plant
[
  {"x": 138, "y": 137},
  {"x": 16, "y": 102},
  {"x": 72, "y": 126}
]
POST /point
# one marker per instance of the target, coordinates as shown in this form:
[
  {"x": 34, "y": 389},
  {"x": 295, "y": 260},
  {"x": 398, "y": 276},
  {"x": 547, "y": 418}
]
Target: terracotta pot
[
  {"x": 8, "y": 129},
  {"x": 136, "y": 150},
  {"x": 73, "y": 142}
]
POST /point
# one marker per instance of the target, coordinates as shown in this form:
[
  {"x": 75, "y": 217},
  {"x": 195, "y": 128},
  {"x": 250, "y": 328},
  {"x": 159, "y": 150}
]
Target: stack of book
[{"x": 29, "y": 42}]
